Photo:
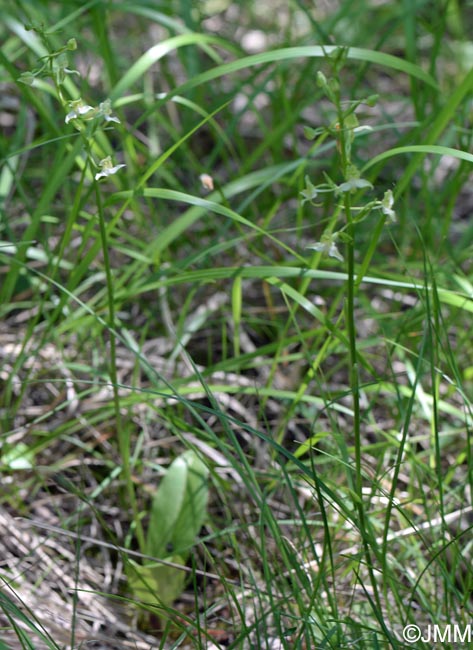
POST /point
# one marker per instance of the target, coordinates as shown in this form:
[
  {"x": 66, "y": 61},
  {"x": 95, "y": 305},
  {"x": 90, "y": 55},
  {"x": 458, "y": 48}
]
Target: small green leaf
[
  {"x": 310, "y": 191},
  {"x": 26, "y": 78},
  {"x": 372, "y": 100},
  {"x": 351, "y": 123},
  {"x": 179, "y": 507},
  {"x": 156, "y": 584},
  {"x": 321, "y": 79},
  {"x": 311, "y": 133},
  {"x": 194, "y": 507},
  {"x": 167, "y": 504},
  {"x": 177, "y": 513}
]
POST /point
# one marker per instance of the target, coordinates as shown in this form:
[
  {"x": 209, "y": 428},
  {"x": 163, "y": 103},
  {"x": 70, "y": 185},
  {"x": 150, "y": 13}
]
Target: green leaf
[
  {"x": 438, "y": 150},
  {"x": 177, "y": 513},
  {"x": 157, "y": 584},
  {"x": 26, "y": 78},
  {"x": 272, "y": 56},
  {"x": 155, "y": 53},
  {"x": 310, "y": 191},
  {"x": 18, "y": 457},
  {"x": 179, "y": 507},
  {"x": 194, "y": 508},
  {"x": 311, "y": 133}
]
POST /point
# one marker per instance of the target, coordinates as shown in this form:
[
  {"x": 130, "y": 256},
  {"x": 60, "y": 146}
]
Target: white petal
[
  {"x": 334, "y": 252},
  {"x": 108, "y": 171},
  {"x": 82, "y": 110},
  {"x": 319, "y": 247}
]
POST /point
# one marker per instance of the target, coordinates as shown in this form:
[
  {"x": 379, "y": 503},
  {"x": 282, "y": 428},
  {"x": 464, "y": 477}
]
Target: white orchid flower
[
  {"x": 105, "y": 110},
  {"x": 327, "y": 246},
  {"x": 78, "y": 109},
  {"x": 107, "y": 168},
  {"x": 387, "y": 204}
]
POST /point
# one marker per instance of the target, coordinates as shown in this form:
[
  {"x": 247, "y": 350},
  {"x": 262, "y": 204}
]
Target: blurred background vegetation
[{"x": 183, "y": 307}]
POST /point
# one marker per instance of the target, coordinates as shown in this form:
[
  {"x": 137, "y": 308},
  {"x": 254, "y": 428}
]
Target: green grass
[{"x": 144, "y": 314}]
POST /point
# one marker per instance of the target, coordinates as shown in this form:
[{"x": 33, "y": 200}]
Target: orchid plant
[
  {"x": 55, "y": 65},
  {"x": 97, "y": 164},
  {"x": 342, "y": 228}
]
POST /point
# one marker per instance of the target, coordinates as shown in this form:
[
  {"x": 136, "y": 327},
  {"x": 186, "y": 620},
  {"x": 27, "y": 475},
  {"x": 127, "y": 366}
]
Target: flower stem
[
  {"x": 352, "y": 288},
  {"x": 122, "y": 433}
]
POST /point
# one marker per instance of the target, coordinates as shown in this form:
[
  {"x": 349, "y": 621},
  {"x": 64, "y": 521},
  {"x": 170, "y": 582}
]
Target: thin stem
[
  {"x": 351, "y": 326},
  {"x": 353, "y": 361},
  {"x": 122, "y": 433}
]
